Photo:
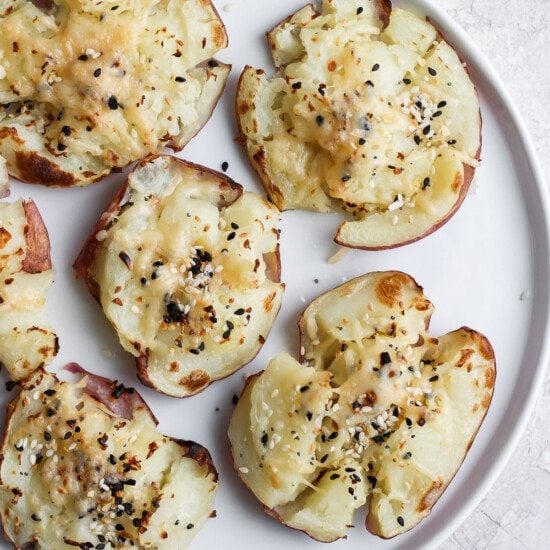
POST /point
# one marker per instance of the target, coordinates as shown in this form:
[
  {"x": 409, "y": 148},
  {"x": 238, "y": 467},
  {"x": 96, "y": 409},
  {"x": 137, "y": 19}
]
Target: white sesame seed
[
  {"x": 90, "y": 494},
  {"x": 33, "y": 444},
  {"x": 32, "y": 459},
  {"x": 335, "y": 407},
  {"x": 36, "y": 395},
  {"x": 132, "y": 438},
  {"x": 244, "y": 470},
  {"x": 72, "y": 446}
]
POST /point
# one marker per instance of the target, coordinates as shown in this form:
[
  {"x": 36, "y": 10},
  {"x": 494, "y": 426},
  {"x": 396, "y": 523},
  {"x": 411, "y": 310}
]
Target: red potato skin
[{"x": 38, "y": 257}]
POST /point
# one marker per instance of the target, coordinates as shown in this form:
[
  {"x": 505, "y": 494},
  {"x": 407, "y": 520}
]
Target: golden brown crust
[{"x": 34, "y": 168}]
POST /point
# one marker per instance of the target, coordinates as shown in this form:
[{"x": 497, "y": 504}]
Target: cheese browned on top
[
  {"x": 75, "y": 473},
  {"x": 186, "y": 268},
  {"x": 379, "y": 413},
  {"x": 26, "y": 339},
  {"x": 369, "y": 113},
  {"x": 86, "y": 86}
]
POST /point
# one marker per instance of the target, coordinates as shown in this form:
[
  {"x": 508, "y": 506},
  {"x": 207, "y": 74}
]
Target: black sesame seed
[
  {"x": 61, "y": 147},
  {"x": 407, "y": 455},
  {"x": 190, "y": 526},
  {"x": 180, "y": 79},
  {"x": 434, "y": 378},
  {"x": 112, "y": 459},
  {"x": 346, "y": 178},
  {"x": 83, "y": 57},
  {"x": 372, "y": 480},
  {"x": 10, "y": 384},
  {"x": 409, "y": 422},
  {"x": 264, "y": 439},
  {"x": 385, "y": 358},
  {"x": 319, "y": 120},
  {"x": 88, "y": 128},
  {"x": 194, "y": 351},
  {"x": 369, "y": 83},
  {"x": 426, "y": 130},
  {"x": 437, "y": 114},
  {"x": 304, "y": 389},
  {"x": 231, "y": 236},
  {"x": 119, "y": 527},
  {"x": 136, "y": 522},
  {"x": 296, "y": 85},
  {"x": 359, "y": 11},
  {"x": 333, "y": 435},
  {"x": 51, "y": 412},
  {"x": 421, "y": 421},
  {"x": 112, "y": 103},
  {"x": 309, "y": 415},
  {"x": 375, "y": 67},
  {"x": 441, "y": 104},
  {"x": 97, "y": 72},
  {"x": 235, "y": 399},
  {"x": 99, "y": 546},
  {"x": 321, "y": 90},
  {"x": 118, "y": 391},
  {"x": 225, "y": 166},
  {"x": 212, "y": 63},
  {"x": 35, "y": 517},
  {"x": 323, "y": 459},
  {"x": 143, "y": 281},
  {"x": 47, "y": 436},
  {"x": 407, "y": 81},
  {"x": 334, "y": 476},
  {"x": 425, "y": 184},
  {"x": 351, "y": 491},
  {"x": 66, "y": 130},
  {"x": 401, "y": 521},
  {"x": 432, "y": 71},
  {"x": 452, "y": 142},
  {"x": 417, "y": 139},
  {"x": 230, "y": 325},
  {"x": 362, "y": 141},
  {"x": 239, "y": 311}
]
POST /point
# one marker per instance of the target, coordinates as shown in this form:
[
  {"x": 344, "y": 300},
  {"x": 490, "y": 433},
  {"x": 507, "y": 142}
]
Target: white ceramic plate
[{"x": 474, "y": 270}]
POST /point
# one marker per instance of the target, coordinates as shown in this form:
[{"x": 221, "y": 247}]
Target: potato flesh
[
  {"x": 140, "y": 49},
  {"x": 403, "y": 411},
  {"x": 57, "y": 498},
  {"x": 26, "y": 339},
  {"x": 352, "y": 133},
  {"x": 174, "y": 229}
]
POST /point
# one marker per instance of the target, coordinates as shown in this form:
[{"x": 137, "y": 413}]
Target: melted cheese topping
[
  {"x": 74, "y": 474},
  {"x": 357, "y": 116},
  {"x": 26, "y": 340},
  {"x": 379, "y": 410},
  {"x": 108, "y": 82},
  {"x": 185, "y": 282}
]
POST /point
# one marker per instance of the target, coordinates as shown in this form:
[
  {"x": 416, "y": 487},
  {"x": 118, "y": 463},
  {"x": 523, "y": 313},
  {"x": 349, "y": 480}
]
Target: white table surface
[{"x": 515, "y": 37}]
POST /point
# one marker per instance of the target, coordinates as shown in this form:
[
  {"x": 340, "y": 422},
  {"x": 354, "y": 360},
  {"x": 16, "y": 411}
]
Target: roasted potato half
[
  {"x": 186, "y": 267},
  {"x": 89, "y": 87},
  {"x": 26, "y": 339},
  {"x": 84, "y": 465},
  {"x": 371, "y": 112},
  {"x": 377, "y": 413}
]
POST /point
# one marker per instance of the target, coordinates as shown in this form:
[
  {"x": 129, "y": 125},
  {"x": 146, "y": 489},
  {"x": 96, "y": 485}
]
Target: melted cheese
[
  {"x": 108, "y": 82},
  {"x": 380, "y": 411},
  {"x": 73, "y": 474},
  {"x": 185, "y": 282}
]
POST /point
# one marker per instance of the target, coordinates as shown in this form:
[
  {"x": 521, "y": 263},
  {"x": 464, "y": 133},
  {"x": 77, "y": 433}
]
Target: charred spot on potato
[{"x": 195, "y": 380}]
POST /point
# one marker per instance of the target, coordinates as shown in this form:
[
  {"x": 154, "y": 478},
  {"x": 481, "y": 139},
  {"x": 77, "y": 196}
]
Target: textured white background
[{"x": 515, "y": 36}]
